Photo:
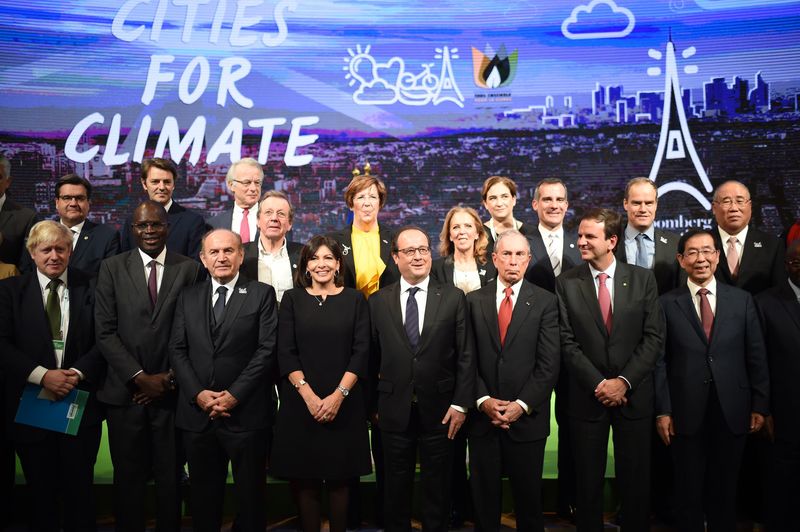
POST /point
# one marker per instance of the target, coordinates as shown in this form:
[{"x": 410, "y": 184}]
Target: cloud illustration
[
  {"x": 623, "y": 18},
  {"x": 377, "y": 92}
]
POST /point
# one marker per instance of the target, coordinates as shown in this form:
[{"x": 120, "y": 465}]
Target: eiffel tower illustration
[
  {"x": 447, "y": 90},
  {"x": 676, "y": 140}
]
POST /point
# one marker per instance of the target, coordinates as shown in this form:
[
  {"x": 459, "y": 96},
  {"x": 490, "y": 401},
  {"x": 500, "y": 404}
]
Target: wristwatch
[
  {"x": 300, "y": 383},
  {"x": 345, "y": 391}
]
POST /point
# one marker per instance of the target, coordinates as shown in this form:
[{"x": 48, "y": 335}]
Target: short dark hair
[
  {"x": 611, "y": 220},
  {"x": 73, "y": 179},
  {"x": 308, "y": 251},
  {"x": 163, "y": 164},
  {"x": 403, "y": 230},
  {"x": 691, "y": 233}
]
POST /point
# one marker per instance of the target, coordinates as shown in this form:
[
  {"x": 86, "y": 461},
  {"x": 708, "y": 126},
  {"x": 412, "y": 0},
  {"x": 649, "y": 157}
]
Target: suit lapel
[
  {"x": 33, "y": 306},
  {"x": 685, "y": 303},
  {"x": 489, "y": 310},
  {"x": 520, "y": 313},
  {"x": 589, "y": 293},
  {"x": 83, "y": 241},
  {"x": 346, "y": 241},
  {"x": 538, "y": 248},
  {"x": 232, "y": 308},
  {"x": 386, "y": 247},
  {"x": 77, "y": 301},
  {"x": 790, "y": 302},
  {"x": 395, "y": 314},
  {"x": 662, "y": 248},
  {"x": 432, "y": 301},
  {"x": 448, "y": 269},
  {"x": 570, "y": 255},
  {"x": 136, "y": 273},
  {"x": 167, "y": 281},
  {"x": 751, "y": 253},
  {"x": 622, "y": 296}
]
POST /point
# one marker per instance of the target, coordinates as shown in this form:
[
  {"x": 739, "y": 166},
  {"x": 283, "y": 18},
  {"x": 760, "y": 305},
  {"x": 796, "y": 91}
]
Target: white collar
[
  {"x": 160, "y": 258},
  {"x": 711, "y": 286},
  {"x": 45, "y": 280},
  {"x": 611, "y": 270},
  {"x": 422, "y": 285}
]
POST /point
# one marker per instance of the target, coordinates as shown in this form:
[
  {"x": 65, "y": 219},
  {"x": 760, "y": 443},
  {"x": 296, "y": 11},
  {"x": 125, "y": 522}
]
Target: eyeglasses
[
  {"x": 729, "y": 202},
  {"x": 142, "y": 226},
  {"x": 247, "y": 184},
  {"x": 280, "y": 215},
  {"x": 424, "y": 251},
  {"x": 70, "y": 199},
  {"x": 693, "y": 254}
]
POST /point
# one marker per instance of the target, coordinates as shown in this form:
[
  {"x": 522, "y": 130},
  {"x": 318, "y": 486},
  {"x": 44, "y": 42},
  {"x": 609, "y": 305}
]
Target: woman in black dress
[{"x": 323, "y": 351}]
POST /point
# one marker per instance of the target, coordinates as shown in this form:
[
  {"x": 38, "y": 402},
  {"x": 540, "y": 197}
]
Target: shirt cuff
[
  {"x": 480, "y": 401},
  {"x": 664, "y": 415},
  {"x": 37, "y": 375},
  {"x": 135, "y": 374},
  {"x": 524, "y": 406},
  {"x": 458, "y": 409},
  {"x": 80, "y": 375},
  {"x": 626, "y": 382}
]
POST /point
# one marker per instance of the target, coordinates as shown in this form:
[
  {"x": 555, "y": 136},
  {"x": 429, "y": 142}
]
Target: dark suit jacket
[
  {"x": 525, "y": 229},
  {"x": 780, "y": 321},
  {"x": 236, "y": 355},
  {"x": 665, "y": 266},
  {"x": 186, "y": 230},
  {"x": 390, "y": 274},
  {"x": 761, "y": 263},
  {"x": 130, "y": 335},
  {"x": 15, "y": 224},
  {"x": 631, "y": 350},
  {"x": 735, "y": 359},
  {"x": 442, "y": 270},
  {"x": 525, "y": 367},
  {"x": 224, "y": 219},
  {"x": 250, "y": 265},
  {"x": 26, "y": 342},
  {"x": 540, "y": 271},
  {"x": 95, "y": 243},
  {"x": 439, "y": 373}
]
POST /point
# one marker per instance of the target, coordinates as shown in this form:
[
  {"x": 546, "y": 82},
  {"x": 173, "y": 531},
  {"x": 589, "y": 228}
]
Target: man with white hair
[{"x": 244, "y": 180}]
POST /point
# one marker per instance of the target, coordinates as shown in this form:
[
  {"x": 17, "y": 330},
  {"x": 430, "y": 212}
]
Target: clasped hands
[
  {"x": 153, "y": 387},
  {"x": 60, "y": 382},
  {"x": 611, "y": 392},
  {"x": 322, "y": 410},
  {"x": 216, "y": 404},
  {"x": 502, "y": 413}
]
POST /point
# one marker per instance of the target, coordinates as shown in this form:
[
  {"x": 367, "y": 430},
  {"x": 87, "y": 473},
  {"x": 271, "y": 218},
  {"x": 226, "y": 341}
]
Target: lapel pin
[
  {"x": 757, "y": 244},
  {"x": 242, "y": 290},
  {"x": 624, "y": 283},
  {"x": 294, "y": 266},
  {"x": 345, "y": 250},
  {"x": 572, "y": 245},
  {"x": 86, "y": 237},
  {"x": 663, "y": 240},
  {"x": 384, "y": 241},
  {"x": 482, "y": 272},
  {"x": 528, "y": 303}
]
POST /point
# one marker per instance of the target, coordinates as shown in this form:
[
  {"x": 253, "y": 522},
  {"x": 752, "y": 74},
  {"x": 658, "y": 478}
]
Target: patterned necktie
[
  {"x": 504, "y": 314},
  {"x": 641, "y": 251},
  {"x": 604, "y": 298},
  {"x": 412, "y": 317},
  {"x": 53, "y": 308},
  {"x": 152, "y": 284},
  {"x": 552, "y": 252},
  {"x": 244, "y": 228},
  {"x": 706, "y": 316},
  {"x": 733, "y": 257},
  {"x": 219, "y": 306}
]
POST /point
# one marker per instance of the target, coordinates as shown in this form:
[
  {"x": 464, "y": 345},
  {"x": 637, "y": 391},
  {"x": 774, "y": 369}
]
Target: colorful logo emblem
[{"x": 493, "y": 70}]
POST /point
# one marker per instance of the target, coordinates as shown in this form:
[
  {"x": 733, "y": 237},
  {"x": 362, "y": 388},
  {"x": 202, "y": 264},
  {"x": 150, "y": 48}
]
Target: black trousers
[
  {"x": 490, "y": 456},
  {"x": 208, "y": 454},
  {"x": 399, "y": 456},
  {"x": 143, "y": 444},
  {"x": 59, "y": 472},
  {"x": 632, "y": 462},
  {"x": 784, "y": 484}
]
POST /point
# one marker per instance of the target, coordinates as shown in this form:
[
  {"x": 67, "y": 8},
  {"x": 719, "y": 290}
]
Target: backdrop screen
[{"x": 435, "y": 96}]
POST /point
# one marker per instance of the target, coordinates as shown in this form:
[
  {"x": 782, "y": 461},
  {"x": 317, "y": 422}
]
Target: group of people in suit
[{"x": 180, "y": 338}]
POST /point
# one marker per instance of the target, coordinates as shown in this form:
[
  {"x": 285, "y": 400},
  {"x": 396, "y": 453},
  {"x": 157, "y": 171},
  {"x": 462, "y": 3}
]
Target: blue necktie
[
  {"x": 412, "y": 318},
  {"x": 641, "y": 251}
]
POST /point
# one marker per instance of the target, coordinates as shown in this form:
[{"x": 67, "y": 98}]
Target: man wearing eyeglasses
[
  {"x": 271, "y": 258},
  {"x": 749, "y": 259},
  {"x": 243, "y": 180},
  {"x": 712, "y": 386},
  {"x": 186, "y": 227},
  {"x": 425, "y": 376},
  {"x": 135, "y": 301}
]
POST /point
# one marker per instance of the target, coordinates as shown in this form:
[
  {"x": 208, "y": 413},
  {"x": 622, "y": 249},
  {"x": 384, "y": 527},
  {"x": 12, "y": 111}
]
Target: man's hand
[
  {"x": 329, "y": 407},
  {"x": 756, "y": 422},
  {"x": 664, "y": 429},
  {"x": 456, "y": 419},
  {"x": 222, "y": 405},
  {"x": 513, "y": 411},
  {"x": 152, "y": 387},
  {"x": 60, "y": 382},
  {"x": 495, "y": 409},
  {"x": 205, "y": 399},
  {"x": 611, "y": 392}
]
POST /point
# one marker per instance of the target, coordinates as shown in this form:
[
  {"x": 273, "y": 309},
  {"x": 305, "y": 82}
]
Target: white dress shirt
[
  {"x": 160, "y": 258},
  {"x": 35, "y": 376},
  {"x": 275, "y": 269}
]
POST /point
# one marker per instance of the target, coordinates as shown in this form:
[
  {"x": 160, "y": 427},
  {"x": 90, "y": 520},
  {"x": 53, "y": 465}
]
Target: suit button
[
  {"x": 710, "y": 359},
  {"x": 501, "y": 360}
]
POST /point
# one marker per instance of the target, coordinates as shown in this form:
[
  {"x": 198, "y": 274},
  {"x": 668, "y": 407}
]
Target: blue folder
[{"x": 62, "y": 415}]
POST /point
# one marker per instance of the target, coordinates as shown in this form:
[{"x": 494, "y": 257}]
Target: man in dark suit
[
  {"x": 554, "y": 251},
  {"x": 136, "y": 296},
  {"x": 779, "y": 309},
  {"x": 243, "y": 180},
  {"x": 222, "y": 348},
  {"x": 749, "y": 259},
  {"x": 425, "y": 381},
  {"x": 186, "y": 227},
  {"x": 15, "y": 220},
  {"x": 712, "y": 386},
  {"x": 516, "y": 345},
  {"x": 47, "y": 340},
  {"x": 272, "y": 258},
  {"x": 612, "y": 332}
]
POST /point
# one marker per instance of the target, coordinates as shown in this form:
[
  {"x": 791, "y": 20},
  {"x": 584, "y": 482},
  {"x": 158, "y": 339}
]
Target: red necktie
[
  {"x": 244, "y": 228},
  {"x": 504, "y": 314},
  {"x": 604, "y": 298},
  {"x": 706, "y": 316}
]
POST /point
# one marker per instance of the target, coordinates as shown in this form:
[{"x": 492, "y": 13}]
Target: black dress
[{"x": 323, "y": 341}]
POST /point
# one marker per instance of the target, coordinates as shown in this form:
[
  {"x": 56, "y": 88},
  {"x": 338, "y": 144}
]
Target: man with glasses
[
  {"x": 425, "y": 376},
  {"x": 135, "y": 302},
  {"x": 272, "y": 259},
  {"x": 749, "y": 259},
  {"x": 712, "y": 386},
  {"x": 243, "y": 180}
]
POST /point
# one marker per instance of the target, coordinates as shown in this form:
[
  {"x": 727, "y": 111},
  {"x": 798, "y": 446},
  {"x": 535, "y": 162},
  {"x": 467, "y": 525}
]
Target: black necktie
[
  {"x": 412, "y": 318},
  {"x": 219, "y": 306},
  {"x": 53, "y": 308}
]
